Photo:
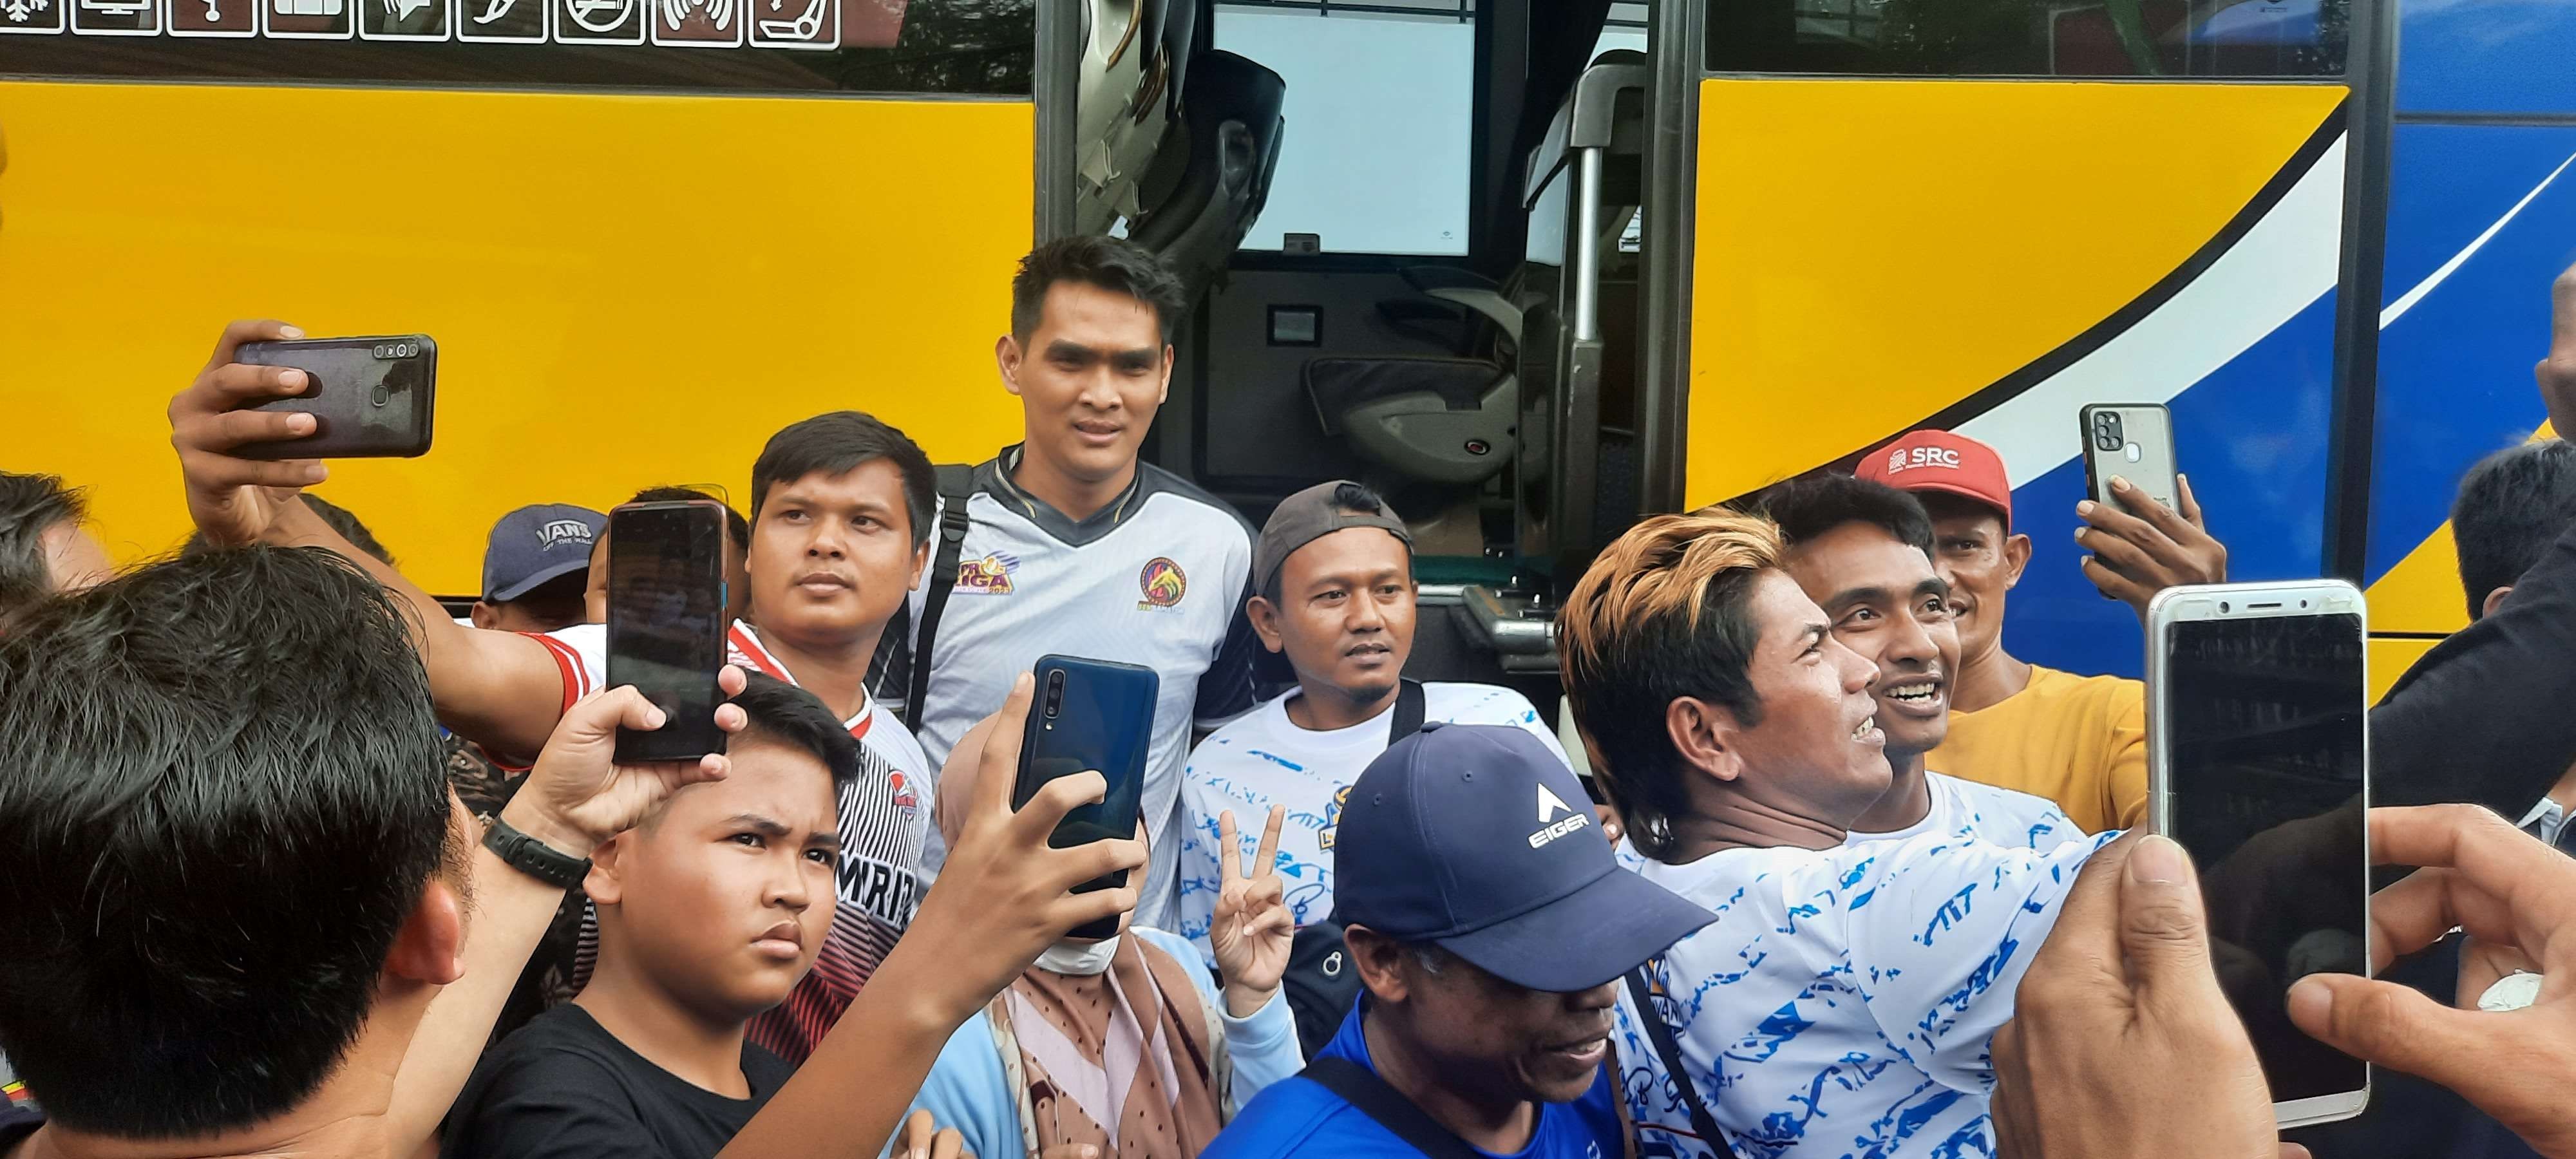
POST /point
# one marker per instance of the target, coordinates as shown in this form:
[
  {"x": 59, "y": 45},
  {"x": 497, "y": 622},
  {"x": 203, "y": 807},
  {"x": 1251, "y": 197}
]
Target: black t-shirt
[{"x": 564, "y": 1088}]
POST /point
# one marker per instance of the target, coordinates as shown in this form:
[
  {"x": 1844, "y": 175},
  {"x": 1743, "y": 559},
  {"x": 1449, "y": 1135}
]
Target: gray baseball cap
[
  {"x": 1310, "y": 515},
  {"x": 534, "y": 544}
]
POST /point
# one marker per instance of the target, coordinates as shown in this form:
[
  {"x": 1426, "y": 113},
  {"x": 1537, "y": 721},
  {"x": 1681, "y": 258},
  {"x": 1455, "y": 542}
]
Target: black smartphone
[
  {"x": 2132, "y": 441},
  {"x": 2258, "y": 752},
  {"x": 666, "y": 623},
  {"x": 1097, "y": 716},
  {"x": 370, "y": 398}
]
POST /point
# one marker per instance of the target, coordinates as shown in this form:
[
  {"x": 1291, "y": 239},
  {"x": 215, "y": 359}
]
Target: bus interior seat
[
  {"x": 1208, "y": 184},
  {"x": 1122, "y": 104}
]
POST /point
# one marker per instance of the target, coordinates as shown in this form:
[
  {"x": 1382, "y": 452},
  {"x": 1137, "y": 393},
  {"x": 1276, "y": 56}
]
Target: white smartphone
[
  {"x": 2258, "y": 757},
  {"x": 2132, "y": 441}
]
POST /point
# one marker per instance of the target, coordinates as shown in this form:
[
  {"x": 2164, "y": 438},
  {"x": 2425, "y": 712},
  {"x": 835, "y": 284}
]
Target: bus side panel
[
  {"x": 2480, "y": 217},
  {"x": 625, "y": 290},
  {"x": 1876, "y": 255}
]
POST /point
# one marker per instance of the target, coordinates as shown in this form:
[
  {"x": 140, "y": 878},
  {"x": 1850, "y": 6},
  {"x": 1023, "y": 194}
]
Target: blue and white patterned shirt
[
  {"x": 1264, "y": 759},
  {"x": 1964, "y": 808},
  {"x": 1842, "y": 1003}
]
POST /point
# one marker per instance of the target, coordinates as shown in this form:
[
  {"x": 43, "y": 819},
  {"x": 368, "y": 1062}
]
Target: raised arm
[
  {"x": 1000, "y": 901},
  {"x": 576, "y": 797},
  {"x": 499, "y": 689}
]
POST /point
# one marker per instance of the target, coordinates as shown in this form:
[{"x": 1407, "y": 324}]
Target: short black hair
[
  {"x": 839, "y": 442},
  {"x": 1353, "y": 498},
  {"x": 2511, "y": 506},
  {"x": 736, "y": 526},
  {"x": 30, "y": 506},
  {"x": 782, "y": 713},
  {"x": 1811, "y": 505},
  {"x": 225, "y": 796},
  {"x": 340, "y": 520},
  {"x": 1112, "y": 264}
]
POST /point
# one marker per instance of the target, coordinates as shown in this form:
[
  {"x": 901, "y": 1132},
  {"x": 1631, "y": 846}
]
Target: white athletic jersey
[
  {"x": 1963, "y": 808},
  {"x": 884, "y": 817},
  {"x": 1264, "y": 759},
  {"x": 1842, "y": 1003},
  {"x": 1158, "y": 579}
]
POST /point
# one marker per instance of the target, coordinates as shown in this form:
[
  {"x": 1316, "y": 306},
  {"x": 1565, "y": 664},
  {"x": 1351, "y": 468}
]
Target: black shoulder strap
[
  {"x": 1362, "y": 1088},
  {"x": 956, "y": 488},
  {"x": 1671, "y": 1052},
  {"x": 1408, "y": 711}
]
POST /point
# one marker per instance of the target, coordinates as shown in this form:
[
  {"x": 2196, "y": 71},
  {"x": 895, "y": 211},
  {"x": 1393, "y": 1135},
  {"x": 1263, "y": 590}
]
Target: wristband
[{"x": 533, "y": 857}]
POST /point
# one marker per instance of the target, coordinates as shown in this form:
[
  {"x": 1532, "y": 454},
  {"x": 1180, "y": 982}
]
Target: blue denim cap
[
  {"x": 534, "y": 544},
  {"x": 1477, "y": 838}
]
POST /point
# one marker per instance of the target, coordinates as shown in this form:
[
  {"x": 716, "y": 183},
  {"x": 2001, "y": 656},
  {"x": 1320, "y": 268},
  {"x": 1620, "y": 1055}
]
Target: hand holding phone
[
  {"x": 666, "y": 624},
  {"x": 369, "y": 397},
  {"x": 2257, "y": 764},
  {"x": 2132, "y": 441},
  {"x": 1090, "y": 716}
]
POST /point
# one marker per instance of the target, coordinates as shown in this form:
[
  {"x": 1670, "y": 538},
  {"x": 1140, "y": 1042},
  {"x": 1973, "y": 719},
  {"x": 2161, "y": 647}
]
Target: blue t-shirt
[{"x": 1300, "y": 1117}]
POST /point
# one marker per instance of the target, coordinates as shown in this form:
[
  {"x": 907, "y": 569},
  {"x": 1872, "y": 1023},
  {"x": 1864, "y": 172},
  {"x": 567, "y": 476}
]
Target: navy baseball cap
[
  {"x": 1479, "y": 839},
  {"x": 534, "y": 544}
]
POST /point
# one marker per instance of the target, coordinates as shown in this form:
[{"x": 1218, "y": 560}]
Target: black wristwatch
[{"x": 533, "y": 857}]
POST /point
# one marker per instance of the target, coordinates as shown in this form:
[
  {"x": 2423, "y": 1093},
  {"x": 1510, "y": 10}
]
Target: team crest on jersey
[
  {"x": 903, "y": 798},
  {"x": 1333, "y": 818},
  {"x": 1163, "y": 583},
  {"x": 989, "y": 576}
]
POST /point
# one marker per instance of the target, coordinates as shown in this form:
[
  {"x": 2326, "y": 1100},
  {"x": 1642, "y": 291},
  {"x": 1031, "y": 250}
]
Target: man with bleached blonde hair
[{"x": 1843, "y": 1000}]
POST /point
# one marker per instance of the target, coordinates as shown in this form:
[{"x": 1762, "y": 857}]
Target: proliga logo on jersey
[
  {"x": 989, "y": 576},
  {"x": 1163, "y": 583}
]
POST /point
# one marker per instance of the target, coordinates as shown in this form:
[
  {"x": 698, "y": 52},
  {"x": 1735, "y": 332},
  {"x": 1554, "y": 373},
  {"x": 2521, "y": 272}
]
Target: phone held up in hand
[
  {"x": 369, "y": 397},
  {"x": 666, "y": 623},
  {"x": 2258, "y": 757},
  {"x": 1090, "y": 716},
  {"x": 2132, "y": 441}
]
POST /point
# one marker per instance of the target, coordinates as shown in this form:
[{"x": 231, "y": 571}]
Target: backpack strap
[
  {"x": 956, "y": 488},
  {"x": 1670, "y": 1051},
  {"x": 1361, "y": 1087},
  {"x": 1409, "y": 707}
]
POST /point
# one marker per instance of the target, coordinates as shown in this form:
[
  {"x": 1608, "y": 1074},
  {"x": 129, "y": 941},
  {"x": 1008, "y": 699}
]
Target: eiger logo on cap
[
  {"x": 1907, "y": 458},
  {"x": 1549, "y": 806},
  {"x": 562, "y": 531}
]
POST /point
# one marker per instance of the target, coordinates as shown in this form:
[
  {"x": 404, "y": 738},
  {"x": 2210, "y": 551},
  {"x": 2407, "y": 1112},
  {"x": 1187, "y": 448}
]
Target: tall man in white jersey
[
  {"x": 1863, "y": 552},
  {"x": 1842, "y": 1002},
  {"x": 1072, "y": 547},
  {"x": 1334, "y": 566},
  {"x": 840, "y": 522}
]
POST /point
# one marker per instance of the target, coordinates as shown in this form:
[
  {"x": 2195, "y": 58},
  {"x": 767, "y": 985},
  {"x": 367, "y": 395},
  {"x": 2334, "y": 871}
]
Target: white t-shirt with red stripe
[{"x": 884, "y": 817}]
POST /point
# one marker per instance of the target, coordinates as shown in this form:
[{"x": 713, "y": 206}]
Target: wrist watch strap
[{"x": 533, "y": 857}]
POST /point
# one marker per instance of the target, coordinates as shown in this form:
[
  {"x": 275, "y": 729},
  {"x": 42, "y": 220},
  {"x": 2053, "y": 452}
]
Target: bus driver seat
[{"x": 1449, "y": 422}]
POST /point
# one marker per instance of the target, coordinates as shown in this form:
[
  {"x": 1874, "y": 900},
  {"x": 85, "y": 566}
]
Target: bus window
[
  {"x": 1993, "y": 38},
  {"x": 1380, "y": 109},
  {"x": 982, "y": 47}
]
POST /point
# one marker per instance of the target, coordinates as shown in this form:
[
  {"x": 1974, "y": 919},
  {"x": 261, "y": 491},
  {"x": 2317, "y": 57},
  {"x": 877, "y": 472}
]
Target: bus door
[{"x": 1982, "y": 216}]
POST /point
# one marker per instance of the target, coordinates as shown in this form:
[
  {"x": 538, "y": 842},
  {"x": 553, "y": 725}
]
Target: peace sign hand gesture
[{"x": 1253, "y": 926}]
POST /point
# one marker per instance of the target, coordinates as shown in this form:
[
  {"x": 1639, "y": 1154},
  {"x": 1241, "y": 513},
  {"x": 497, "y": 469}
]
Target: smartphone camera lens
[
  {"x": 2107, "y": 433},
  {"x": 1055, "y": 694},
  {"x": 2222, "y": 607}
]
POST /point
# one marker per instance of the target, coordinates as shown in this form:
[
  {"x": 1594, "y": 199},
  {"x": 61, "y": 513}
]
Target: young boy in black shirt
[{"x": 709, "y": 913}]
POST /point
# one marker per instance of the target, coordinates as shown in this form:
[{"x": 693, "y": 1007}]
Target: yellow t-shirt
[{"x": 2080, "y": 741}]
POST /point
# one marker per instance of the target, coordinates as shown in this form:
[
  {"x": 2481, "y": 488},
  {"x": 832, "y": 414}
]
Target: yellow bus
[{"x": 1537, "y": 268}]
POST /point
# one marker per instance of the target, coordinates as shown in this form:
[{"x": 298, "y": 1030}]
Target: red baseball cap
[{"x": 1944, "y": 461}]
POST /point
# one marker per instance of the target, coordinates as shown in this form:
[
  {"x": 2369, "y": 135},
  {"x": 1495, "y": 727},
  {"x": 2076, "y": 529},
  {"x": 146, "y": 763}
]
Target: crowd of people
[{"x": 297, "y": 862}]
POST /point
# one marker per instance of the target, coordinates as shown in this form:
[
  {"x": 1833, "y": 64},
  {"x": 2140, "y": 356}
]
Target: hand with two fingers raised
[{"x": 1253, "y": 928}]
